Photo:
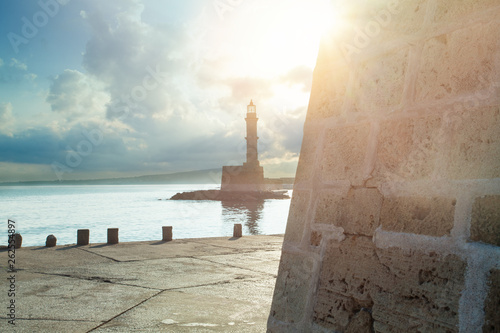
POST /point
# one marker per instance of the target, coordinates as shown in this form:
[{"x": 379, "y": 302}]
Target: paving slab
[
  {"x": 156, "y": 250},
  {"x": 258, "y": 261},
  {"x": 43, "y": 297},
  {"x": 160, "y": 274},
  {"x": 195, "y": 285},
  {"x": 247, "y": 243},
  {"x": 47, "y": 325},
  {"x": 47, "y": 258},
  {"x": 175, "y": 311}
]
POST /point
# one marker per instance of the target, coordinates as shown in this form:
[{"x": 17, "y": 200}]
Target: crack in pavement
[
  {"x": 98, "y": 279},
  {"x": 143, "y": 301},
  {"x": 232, "y": 266},
  {"x": 55, "y": 319},
  {"x": 98, "y": 254},
  {"x": 155, "y": 295},
  {"x": 237, "y": 250}
]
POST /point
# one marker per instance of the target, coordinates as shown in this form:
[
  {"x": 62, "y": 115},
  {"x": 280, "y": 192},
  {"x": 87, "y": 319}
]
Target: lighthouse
[{"x": 250, "y": 175}]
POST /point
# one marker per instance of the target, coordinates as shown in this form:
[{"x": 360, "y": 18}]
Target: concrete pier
[{"x": 191, "y": 285}]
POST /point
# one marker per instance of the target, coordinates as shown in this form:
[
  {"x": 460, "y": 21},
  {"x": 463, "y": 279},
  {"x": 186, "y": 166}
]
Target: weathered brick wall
[{"x": 394, "y": 224}]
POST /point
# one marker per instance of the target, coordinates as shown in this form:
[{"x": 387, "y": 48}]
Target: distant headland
[{"x": 208, "y": 176}]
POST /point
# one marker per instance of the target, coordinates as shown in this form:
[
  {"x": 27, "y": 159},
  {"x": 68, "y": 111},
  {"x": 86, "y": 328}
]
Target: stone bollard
[
  {"x": 167, "y": 234},
  {"x": 112, "y": 235},
  {"x": 18, "y": 240},
  {"x": 237, "y": 231},
  {"x": 50, "y": 241},
  {"x": 82, "y": 237}
]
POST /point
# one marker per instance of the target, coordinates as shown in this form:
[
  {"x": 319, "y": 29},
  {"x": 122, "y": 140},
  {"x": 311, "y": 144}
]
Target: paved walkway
[{"x": 191, "y": 285}]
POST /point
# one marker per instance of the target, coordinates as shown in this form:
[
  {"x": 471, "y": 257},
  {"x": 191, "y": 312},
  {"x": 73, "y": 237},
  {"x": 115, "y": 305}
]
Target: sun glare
[
  {"x": 294, "y": 34},
  {"x": 272, "y": 41}
]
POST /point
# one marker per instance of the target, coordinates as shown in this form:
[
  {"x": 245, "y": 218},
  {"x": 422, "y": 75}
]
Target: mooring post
[
  {"x": 112, "y": 235},
  {"x": 82, "y": 237},
  {"x": 237, "y": 231},
  {"x": 50, "y": 241},
  {"x": 166, "y": 234},
  {"x": 18, "y": 240}
]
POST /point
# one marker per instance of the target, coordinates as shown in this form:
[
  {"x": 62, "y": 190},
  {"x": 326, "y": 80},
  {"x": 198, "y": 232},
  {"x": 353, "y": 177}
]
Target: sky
[{"x": 98, "y": 89}]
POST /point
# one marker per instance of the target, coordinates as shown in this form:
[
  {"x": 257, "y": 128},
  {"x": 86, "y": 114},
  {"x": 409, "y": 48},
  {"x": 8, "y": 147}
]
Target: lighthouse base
[{"x": 242, "y": 178}]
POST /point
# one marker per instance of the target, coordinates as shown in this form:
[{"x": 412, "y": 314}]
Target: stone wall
[{"x": 394, "y": 224}]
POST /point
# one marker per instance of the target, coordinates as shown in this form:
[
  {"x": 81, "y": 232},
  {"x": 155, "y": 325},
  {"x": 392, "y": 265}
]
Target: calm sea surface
[{"x": 135, "y": 209}]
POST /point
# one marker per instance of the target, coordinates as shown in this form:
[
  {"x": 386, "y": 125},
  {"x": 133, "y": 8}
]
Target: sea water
[{"x": 139, "y": 211}]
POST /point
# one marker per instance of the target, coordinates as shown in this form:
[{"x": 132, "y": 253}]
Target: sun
[
  {"x": 272, "y": 38},
  {"x": 295, "y": 34},
  {"x": 290, "y": 37}
]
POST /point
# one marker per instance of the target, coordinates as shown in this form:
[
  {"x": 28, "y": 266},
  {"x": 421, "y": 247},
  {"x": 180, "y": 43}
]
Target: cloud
[
  {"x": 301, "y": 75},
  {"x": 242, "y": 87},
  {"x": 142, "y": 65},
  {"x": 12, "y": 172},
  {"x": 43, "y": 146},
  {"x": 15, "y": 73},
  {"x": 18, "y": 64},
  {"x": 77, "y": 95},
  {"x": 36, "y": 146},
  {"x": 6, "y": 118},
  {"x": 161, "y": 103}
]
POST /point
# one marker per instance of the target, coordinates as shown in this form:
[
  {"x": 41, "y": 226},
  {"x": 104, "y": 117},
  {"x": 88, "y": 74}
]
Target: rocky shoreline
[{"x": 219, "y": 195}]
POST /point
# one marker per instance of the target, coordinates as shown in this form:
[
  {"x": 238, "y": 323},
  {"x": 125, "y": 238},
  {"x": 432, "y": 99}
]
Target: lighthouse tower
[
  {"x": 250, "y": 175},
  {"x": 252, "y": 154}
]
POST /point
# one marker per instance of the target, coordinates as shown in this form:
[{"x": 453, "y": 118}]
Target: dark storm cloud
[{"x": 36, "y": 146}]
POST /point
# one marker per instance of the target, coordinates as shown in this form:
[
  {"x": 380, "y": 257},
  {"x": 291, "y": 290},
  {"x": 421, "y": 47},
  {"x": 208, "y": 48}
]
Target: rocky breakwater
[{"x": 219, "y": 195}]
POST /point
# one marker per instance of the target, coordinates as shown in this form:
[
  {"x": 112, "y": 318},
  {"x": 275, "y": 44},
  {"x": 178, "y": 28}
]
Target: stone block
[
  {"x": 407, "y": 18},
  {"x": 357, "y": 213},
  {"x": 473, "y": 145},
  {"x": 485, "y": 220},
  {"x": 344, "y": 153},
  {"x": 407, "y": 149},
  {"x": 328, "y": 90},
  {"x": 492, "y": 303},
  {"x": 424, "y": 293},
  {"x": 307, "y": 159},
  {"x": 344, "y": 275},
  {"x": 470, "y": 58},
  {"x": 380, "y": 82},
  {"x": 405, "y": 290},
  {"x": 374, "y": 23},
  {"x": 330, "y": 80},
  {"x": 293, "y": 285},
  {"x": 457, "y": 11},
  {"x": 297, "y": 216},
  {"x": 431, "y": 216}
]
